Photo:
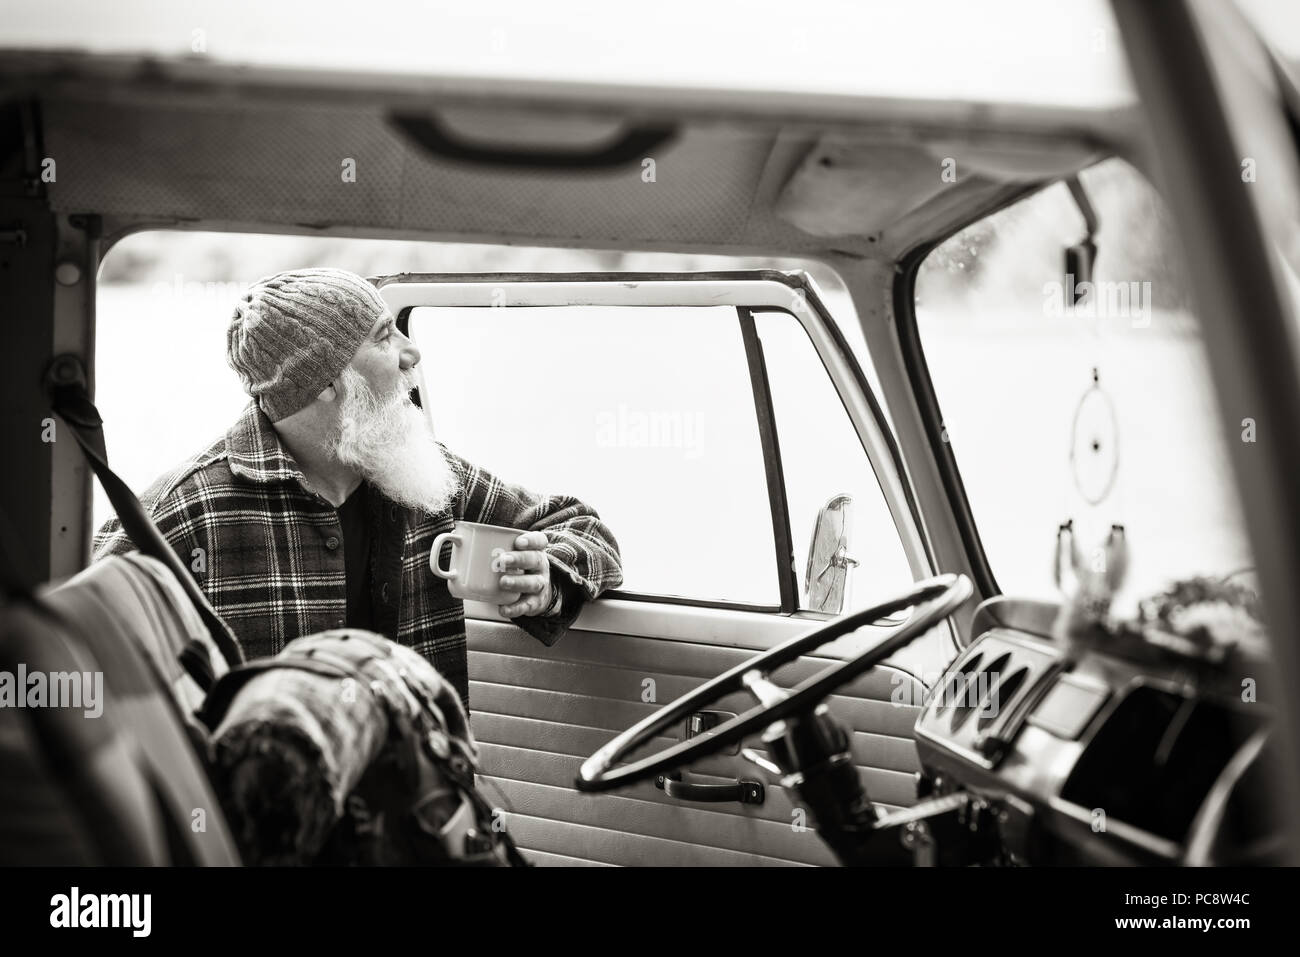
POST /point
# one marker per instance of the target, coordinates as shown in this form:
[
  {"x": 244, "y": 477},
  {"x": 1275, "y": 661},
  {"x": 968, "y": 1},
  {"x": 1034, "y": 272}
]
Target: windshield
[{"x": 1097, "y": 414}]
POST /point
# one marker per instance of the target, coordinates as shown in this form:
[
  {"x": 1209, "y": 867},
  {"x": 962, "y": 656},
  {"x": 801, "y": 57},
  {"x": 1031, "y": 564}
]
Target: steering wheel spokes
[
  {"x": 933, "y": 600},
  {"x": 760, "y": 686}
]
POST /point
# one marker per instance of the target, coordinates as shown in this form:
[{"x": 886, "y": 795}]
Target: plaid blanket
[{"x": 268, "y": 552}]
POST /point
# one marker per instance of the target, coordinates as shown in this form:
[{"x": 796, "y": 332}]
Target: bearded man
[{"x": 319, "y": 507}]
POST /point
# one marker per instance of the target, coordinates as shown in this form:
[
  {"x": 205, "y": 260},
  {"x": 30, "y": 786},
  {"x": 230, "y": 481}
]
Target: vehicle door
[{"x": 722, "y": 428}]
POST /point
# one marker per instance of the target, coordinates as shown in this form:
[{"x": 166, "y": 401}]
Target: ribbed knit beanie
[{"x": 294, "y": 332}]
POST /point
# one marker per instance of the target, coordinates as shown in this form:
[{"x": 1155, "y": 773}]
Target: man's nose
[{"x": 410, "y": 355}]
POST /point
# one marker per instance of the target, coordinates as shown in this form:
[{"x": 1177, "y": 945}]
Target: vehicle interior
[{"x": 794, "y": 723}]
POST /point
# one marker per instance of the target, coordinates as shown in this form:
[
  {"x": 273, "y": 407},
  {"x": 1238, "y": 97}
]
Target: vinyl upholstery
[{"x": 537, "y": 713}]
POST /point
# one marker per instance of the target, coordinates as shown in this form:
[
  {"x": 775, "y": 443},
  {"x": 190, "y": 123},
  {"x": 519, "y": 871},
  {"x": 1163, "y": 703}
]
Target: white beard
[{"x": 388, "y": 440}]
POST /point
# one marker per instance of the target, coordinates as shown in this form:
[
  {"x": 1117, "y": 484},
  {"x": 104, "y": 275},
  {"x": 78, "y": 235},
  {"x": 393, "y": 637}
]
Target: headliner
[{"x": 197, "y": 144}]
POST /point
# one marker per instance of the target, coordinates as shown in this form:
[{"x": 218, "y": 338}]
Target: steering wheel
[{"x": 933, "y": 599}]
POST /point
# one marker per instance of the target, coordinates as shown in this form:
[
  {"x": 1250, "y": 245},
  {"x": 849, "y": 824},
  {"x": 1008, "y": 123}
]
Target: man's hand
[{"x": 527, "y": 571}]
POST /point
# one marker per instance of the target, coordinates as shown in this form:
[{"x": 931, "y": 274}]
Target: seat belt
[{"x": 70, "y": 400}]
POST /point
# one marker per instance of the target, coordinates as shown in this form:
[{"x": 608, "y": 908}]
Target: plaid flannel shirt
[{"x": 267, "y": 550}]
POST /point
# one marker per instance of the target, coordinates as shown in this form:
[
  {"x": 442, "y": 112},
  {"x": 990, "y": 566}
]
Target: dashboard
[{"x": 1092, "y": 754}]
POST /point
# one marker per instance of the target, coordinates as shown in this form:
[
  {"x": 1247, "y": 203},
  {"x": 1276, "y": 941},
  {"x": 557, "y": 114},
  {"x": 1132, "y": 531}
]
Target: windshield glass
[{"x": 1097, "y": 414}]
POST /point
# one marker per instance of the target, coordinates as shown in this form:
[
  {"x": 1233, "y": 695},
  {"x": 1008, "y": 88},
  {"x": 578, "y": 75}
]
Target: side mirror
[{"x": 828, "y": 559}]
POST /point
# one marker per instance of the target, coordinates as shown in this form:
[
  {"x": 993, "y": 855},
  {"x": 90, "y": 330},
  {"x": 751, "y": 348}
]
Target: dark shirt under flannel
[{"x": 268, "y": 551}]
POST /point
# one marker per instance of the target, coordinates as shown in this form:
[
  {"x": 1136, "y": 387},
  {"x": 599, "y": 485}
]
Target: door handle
[{"x": 742, "y": 792}]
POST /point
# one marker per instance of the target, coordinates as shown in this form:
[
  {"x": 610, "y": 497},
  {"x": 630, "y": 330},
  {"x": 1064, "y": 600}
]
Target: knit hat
[{"x": 294, "y": 332}]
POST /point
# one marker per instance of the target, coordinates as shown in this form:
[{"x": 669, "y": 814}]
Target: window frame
[
  {"x": 749, "y": 291},
  {"x": 927, "y": 401}
]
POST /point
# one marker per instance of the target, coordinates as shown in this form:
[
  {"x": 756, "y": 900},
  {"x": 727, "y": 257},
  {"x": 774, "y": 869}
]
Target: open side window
[{"x": 718, "y": 422}]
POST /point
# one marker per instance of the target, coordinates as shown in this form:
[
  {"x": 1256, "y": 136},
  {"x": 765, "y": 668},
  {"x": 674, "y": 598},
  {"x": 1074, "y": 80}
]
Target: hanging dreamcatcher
[
  {"x": 1089, "y": 576},
  {"x": 1094, "y": 444}
]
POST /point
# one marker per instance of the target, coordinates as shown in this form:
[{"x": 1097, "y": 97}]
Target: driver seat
[{"x": 117, "y": 781}]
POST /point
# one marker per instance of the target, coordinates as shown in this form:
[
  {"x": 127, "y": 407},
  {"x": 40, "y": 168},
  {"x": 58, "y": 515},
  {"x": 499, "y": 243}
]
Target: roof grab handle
[{"x": 633, "y": 144}]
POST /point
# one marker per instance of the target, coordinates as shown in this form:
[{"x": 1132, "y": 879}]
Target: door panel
[
  {"x": 628, "y": 849},
  {"x": 710, "y": 837},
  {"x": 538, "y": 712},
  {"x": 871, "y": 751},
  {"x": 546, "y": 767}
]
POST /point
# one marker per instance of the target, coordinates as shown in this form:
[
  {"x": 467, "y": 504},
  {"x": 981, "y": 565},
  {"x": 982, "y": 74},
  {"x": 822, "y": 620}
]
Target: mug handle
[{"x": 436, "y": 550}]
